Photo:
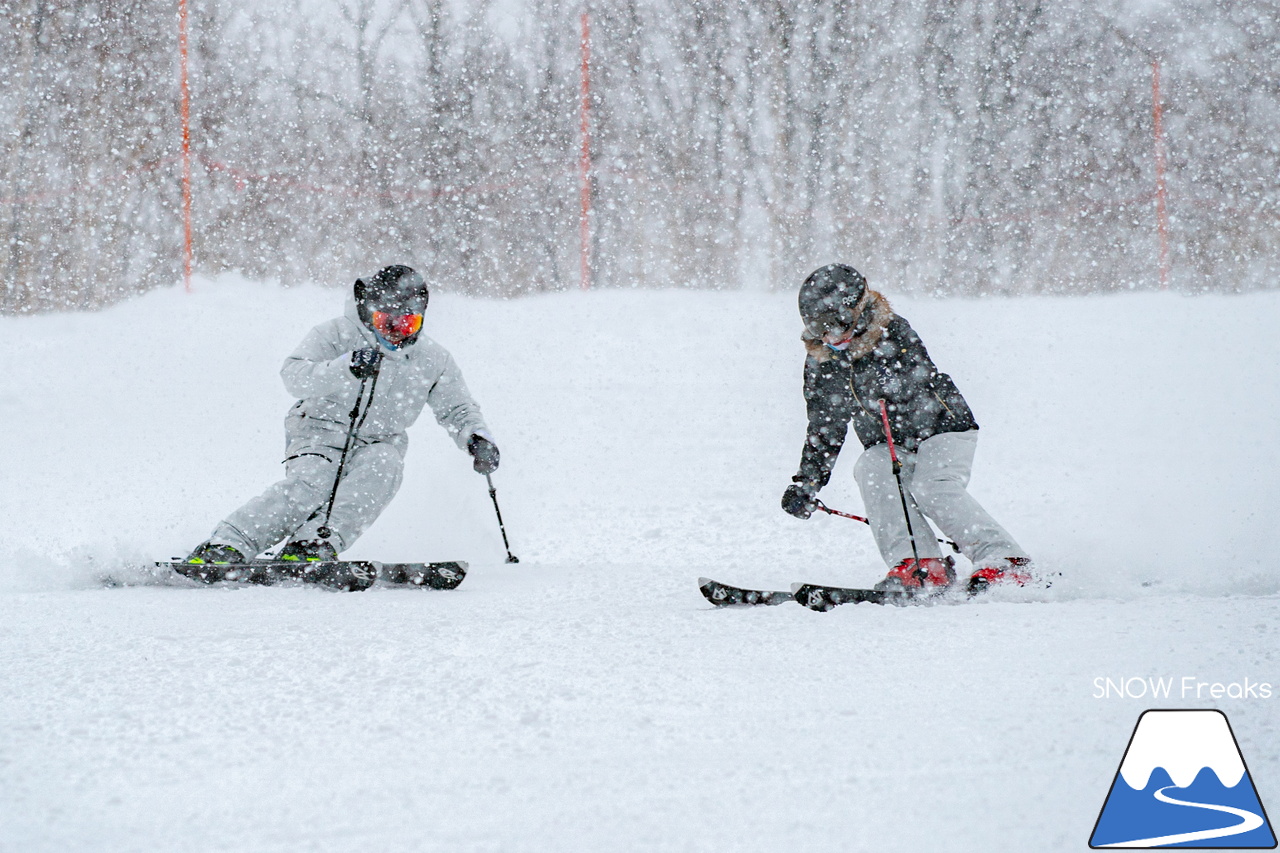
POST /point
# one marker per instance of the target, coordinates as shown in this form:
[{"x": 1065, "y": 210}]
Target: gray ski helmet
[
  {"x": 397, "y": 290},
  {"x": 829, "y": 299}
]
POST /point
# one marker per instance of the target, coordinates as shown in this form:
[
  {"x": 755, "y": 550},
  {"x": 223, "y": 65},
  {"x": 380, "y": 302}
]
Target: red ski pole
[
  {"x": 902, "y": 493},
  {"x": 829, "y": 511}
]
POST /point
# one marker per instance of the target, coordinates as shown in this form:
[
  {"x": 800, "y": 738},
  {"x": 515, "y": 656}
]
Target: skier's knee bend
[
  {"x": 307, "y": 488},
  {"x": 932, "y": 491}
]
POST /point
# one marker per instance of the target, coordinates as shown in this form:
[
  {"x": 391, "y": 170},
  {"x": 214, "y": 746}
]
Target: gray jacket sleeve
[
  {"x": 319, "y": 365},
  {"x": 451, "y": 403}
]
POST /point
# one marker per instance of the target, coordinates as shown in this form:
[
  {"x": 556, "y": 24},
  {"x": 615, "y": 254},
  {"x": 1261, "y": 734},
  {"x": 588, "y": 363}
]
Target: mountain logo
[{"x": 1183, "y": 783}]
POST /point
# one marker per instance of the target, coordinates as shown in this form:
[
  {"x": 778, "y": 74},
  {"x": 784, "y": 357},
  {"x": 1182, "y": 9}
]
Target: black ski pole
[
  {"x": 325, "y": 531},
  {"x": 829, "y": 511},
  {"x": 493, "y": 495},
  {"x": 902, "y": 493}
]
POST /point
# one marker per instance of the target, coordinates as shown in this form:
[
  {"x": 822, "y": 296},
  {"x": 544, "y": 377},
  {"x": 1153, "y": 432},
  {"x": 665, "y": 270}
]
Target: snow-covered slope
[{"x": 588, "y": 698}]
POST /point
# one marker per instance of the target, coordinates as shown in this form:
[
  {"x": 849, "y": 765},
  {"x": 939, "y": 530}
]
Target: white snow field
[{"x": 588, "y": 698}]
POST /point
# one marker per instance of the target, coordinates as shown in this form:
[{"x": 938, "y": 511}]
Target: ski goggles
[
  {"x": 831, "y": 328},
  {"x": 838, "y": 331},
  {"x": 838, "y": 339},
  {"x": 396, "y": 327}
]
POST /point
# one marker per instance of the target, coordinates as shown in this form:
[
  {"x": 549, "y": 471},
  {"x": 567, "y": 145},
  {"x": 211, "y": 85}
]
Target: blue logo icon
[{"x": 1183, "y": 783}]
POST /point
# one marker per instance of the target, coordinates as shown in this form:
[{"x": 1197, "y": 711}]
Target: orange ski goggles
[{"x": 396, "y": 327}]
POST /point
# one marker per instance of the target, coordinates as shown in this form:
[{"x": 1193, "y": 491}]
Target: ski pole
[
  {"x": 493, "y": 495},
  {"x": 829, "y": 511},
  {"x": 325, "y": 531},
  {"x": 902, "y": 493}
]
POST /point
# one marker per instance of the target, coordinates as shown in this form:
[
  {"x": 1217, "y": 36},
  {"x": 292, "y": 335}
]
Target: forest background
[{"x": 963, "y": 147}]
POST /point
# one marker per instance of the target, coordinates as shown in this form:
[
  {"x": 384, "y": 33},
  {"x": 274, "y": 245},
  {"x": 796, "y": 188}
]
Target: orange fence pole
[
  {"x": 584, "y": 161},
  {"x": 186, "y": 146},
  {"x": 1162, "y": 211}
]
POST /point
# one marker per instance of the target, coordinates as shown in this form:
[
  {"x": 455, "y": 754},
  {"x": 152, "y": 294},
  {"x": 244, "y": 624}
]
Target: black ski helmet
[
  {"x": 829, "y": 299},
  {"x": 396, "y": 289}
]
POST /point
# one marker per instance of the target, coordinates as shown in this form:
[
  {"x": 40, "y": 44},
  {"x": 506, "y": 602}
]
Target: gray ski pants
[
  {"x": 935, "y": 478},
  {"x": 295, "y": 506}
]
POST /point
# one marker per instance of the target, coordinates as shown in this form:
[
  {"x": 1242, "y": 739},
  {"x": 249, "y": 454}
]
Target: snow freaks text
[{"x": 1184, "y": 687}]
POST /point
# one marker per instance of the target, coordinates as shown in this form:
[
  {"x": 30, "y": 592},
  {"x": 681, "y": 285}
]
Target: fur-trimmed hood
[
  {"x": 889, "y": 364},
  {"x": 881, "y": 316}
]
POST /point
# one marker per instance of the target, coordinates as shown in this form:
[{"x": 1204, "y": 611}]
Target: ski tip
[
  {"x": 704, "y": 581},
  {"x": 795, "y": 587}
]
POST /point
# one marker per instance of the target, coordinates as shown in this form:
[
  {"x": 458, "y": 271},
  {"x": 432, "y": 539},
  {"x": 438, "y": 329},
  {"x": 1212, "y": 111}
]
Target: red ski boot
[
  {"x": 1010, "y": 570},
  {"x": 930, "y": 576}
]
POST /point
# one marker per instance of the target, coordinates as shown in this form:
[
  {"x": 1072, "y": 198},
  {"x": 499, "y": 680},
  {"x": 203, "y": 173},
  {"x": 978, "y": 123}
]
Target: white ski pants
[
  {"x": 935, "y": 478},
  {"x": 295, "y": 506}
]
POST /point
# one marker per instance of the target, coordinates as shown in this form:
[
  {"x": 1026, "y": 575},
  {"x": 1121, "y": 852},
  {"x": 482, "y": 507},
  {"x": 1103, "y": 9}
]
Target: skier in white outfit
[
  {"x": 369, "y": 374},
  {"x": 861, "y": 356}
]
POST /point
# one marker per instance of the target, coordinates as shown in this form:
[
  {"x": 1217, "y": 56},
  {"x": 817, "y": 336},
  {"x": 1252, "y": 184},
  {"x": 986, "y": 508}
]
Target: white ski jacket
[{"x": 422, "y": 374}]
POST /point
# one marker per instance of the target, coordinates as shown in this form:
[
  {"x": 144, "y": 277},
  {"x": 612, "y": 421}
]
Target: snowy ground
[{"x": 588, "y": 698}]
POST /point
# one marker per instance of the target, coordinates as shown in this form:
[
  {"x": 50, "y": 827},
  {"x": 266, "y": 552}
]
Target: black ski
[
  {"x": 723, "y": 595},
  {"x": 813, "y": 596},
  {"x": 818, "y": 596},
  {"x": 446, "y": 575},
  {"x": 342, "y": 575},
  {"x": 822, "y": 598}
]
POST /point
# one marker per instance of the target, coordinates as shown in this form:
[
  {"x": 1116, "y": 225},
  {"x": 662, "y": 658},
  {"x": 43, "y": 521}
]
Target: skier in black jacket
[{"x": 859, "y": 353}]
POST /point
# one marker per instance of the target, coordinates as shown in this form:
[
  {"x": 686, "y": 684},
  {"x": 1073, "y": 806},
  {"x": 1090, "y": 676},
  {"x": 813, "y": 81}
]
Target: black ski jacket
[{"x": 844, "y": 386}]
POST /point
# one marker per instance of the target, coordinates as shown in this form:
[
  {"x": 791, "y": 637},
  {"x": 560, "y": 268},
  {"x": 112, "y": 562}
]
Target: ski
[
  {"x": 444, "y": 575},
  {"x": 822, "y": 598},
  {"x": 723, "y": 595},
  {"x": 342, "y": 575}
]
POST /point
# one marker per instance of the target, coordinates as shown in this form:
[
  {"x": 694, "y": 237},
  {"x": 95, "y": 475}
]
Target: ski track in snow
[{"x": 588, "y": 698}]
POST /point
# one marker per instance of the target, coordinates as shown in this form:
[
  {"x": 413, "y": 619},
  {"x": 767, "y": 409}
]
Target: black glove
[
  {"x": 485, "y": 454},
  {"x": 799, "y": 501},
  {"x": 364, "y": 362}
]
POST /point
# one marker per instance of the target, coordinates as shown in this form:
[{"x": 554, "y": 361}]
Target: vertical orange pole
[
  {"x": 584, "y": 160},
  {"x": 1162, "y": 212},
  {"x": 186, "y": 146}
]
